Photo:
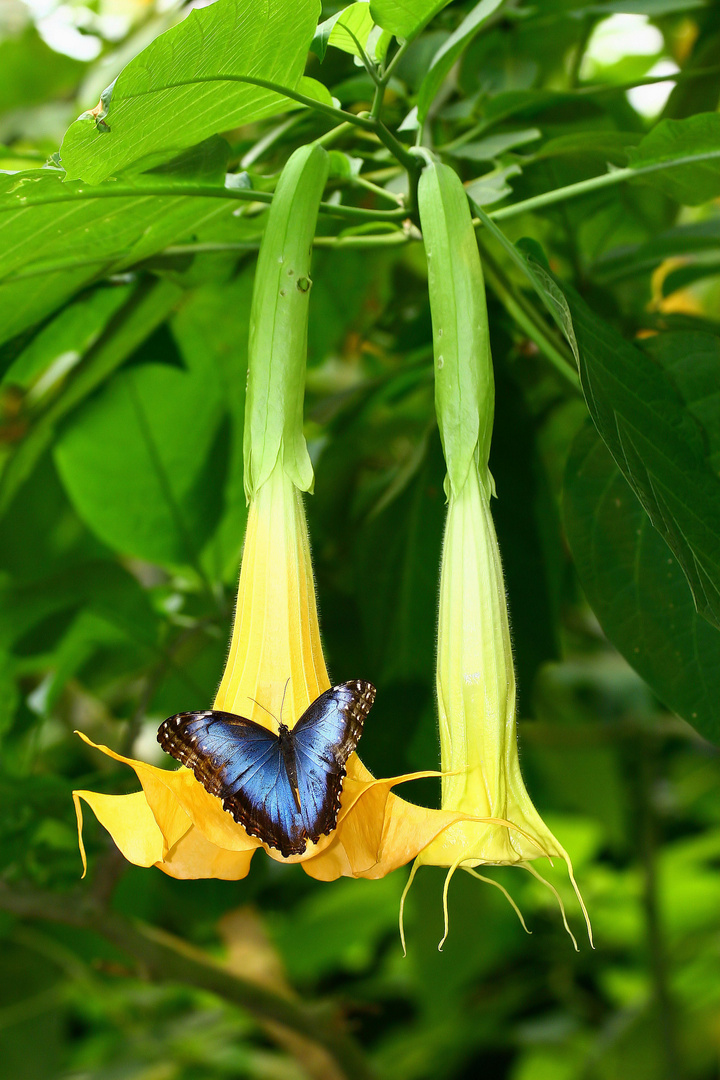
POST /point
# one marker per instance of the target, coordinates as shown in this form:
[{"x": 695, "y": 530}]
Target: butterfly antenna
[
  {"x": 266, "y": 710},
  {"x": 283, "y": 697}
]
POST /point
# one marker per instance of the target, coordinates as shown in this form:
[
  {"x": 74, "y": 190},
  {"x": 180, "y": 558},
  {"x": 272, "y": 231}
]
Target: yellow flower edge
[{"x": 173, "y": 823}]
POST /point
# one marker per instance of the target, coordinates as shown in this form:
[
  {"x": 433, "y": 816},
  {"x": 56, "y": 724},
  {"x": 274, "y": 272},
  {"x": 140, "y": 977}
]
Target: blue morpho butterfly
[{"x": 284, "y": 788}]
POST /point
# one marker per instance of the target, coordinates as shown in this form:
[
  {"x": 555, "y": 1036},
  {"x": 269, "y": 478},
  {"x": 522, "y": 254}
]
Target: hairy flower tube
[
  {"x": 475, "y": 677},
  {"x": 476, "y": 704}
]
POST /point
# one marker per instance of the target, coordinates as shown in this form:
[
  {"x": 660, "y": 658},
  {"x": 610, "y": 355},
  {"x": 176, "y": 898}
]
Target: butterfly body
[{"x": 284, "y": 788}]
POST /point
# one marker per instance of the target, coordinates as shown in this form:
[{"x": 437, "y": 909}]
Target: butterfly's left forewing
[{"x": 324, "y": 738}]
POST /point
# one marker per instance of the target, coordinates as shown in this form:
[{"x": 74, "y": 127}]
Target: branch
[
  {"x": 116, "y": 190},
  {"x": 166, "y": 958}
]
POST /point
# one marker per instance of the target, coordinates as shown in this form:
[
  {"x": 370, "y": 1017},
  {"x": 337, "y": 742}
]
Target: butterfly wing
[
  {"x": 241, "y": 763},
  {"x": 324, "y": 738}
]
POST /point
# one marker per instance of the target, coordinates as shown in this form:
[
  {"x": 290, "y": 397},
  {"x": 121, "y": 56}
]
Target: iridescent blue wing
[
  {"x": 324, "y": 738},
  {"x": 241, "y": 763}
]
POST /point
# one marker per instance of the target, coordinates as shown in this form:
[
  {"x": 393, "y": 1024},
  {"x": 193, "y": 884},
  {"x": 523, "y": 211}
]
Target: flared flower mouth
[{"x": 476, "y": 703}]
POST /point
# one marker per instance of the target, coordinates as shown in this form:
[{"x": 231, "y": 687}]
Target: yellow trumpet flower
[
  {"x": 174, "y": 823},
  {"x": 475, "y": 672}
]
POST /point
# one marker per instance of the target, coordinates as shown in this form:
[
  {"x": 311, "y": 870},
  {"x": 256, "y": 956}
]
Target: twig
[{"x": 165, "y": 958}]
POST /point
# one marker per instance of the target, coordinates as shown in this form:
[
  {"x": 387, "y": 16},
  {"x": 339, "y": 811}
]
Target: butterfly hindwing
[
  {"x": 264, "y": 805},
  {"x": 261, "y": 777}
]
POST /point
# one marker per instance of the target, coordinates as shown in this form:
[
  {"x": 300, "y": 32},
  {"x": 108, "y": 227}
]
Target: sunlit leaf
[
  {"x": 695, "y": 145},
  {"x": 173, "y": 95},
  {"x": 405, "y": 18}
]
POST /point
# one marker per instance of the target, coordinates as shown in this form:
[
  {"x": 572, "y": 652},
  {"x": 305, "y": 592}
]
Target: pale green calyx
[
  {"x": 278, "y": 326},
  {"x": 464, "y": 387}
]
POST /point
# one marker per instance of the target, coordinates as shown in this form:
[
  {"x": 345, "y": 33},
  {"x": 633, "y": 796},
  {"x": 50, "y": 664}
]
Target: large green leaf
[
  {"x": 659, "y": 445},
  {"x": 173, "y": 94},
  {"x": 56, "y": 237},
  {"x": 637, "y": 588},
  {"x": 32, "y": 71},
  {"x": 145, "y": 309},
  {"x": 448, "y": 53},
  {"x": 695, "y": 145},
  {"x": 141, "y": 462},
  {"x": 215, "y": 322},
  {"x": 101, "y": 587},
  {"x": 658, "y": 442},
  {"x": 61, "y": 343}
]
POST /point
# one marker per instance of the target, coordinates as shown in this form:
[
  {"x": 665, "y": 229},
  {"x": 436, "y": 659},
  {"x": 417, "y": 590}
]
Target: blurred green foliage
[{"x": 124, "y": 316}]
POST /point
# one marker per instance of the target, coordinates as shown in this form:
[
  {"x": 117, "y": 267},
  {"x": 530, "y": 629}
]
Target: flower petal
[
  {"x": 194, "y": 856},
  {"x": 177, "y": 801},
  {"x": 130, "y": 822}
]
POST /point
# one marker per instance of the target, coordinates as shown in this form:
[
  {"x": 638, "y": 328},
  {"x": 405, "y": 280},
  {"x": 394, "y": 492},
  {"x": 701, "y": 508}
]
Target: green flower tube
[
  {"x": 475, "y": 671},
  {"x": 278, "y": 326}
]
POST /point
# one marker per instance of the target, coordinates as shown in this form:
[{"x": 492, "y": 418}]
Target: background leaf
[
  {"x": 405, "y": 18},
  {"x": 658, "y": 445},
  {"x": 142, "y": 462},
  {"x": 697, "y": 137},
  {"x": 448, "y": 53},
  {"x": 637, "y": 588}
]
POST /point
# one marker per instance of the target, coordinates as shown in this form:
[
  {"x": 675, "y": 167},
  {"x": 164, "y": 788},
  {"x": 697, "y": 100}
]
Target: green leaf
[
  {"x": 32, "y": 72},
  {"x": 102, "y": 587},
  {"x": 685, "y": 275},
  {"x": 446, "y": 56},
  {"x": 609, "y": 145},
  {"x": 695, "y": 145},
  {"x": 644, "y": 7},
  {"x": 658, "y": 444},
  {"x": 494, "y": 145},
  {"x": 9, "y": 695},
  {"x": 464, "y": 393},
  {"x": 173, "y": 93},
  {"x": 345, "y": 30},
  {"x": 204, "y": 163},
  {"x": 57, "y": 237},
  {"x": 700, "y": 236},
  {"x": 405, "y": 18},
  {"x": 214, "y": 321},
  {"x": 637, "y": 588},
  {"x": 55, "y": 350},
  {"x": 692, "y": 360},
  {"x": 278, "y": 325},
  {"x": 139, "y": 460},
  {"x": 493, "y": 186},
  {"x": 145, "y": 309},
  {"x": 353, "y": 28}
]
